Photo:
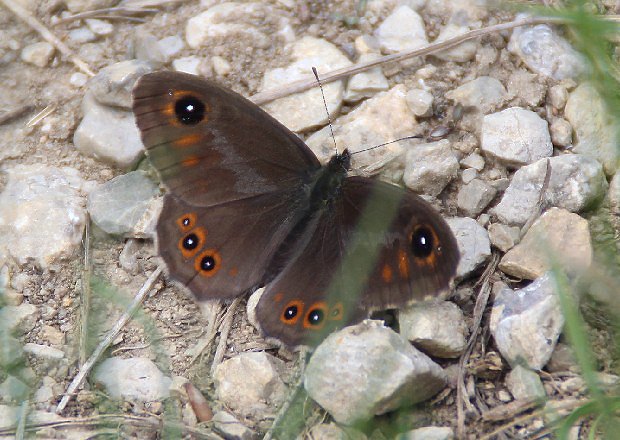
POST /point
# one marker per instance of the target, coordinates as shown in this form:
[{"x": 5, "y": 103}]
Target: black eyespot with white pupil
[
  {"x": 189, "y": 110},
  {"x": 290, "y": 312},
  {"x": 315, "y": 316},
  {"x": 190, "y": 242},
  {"x": 422, "y": 242},
  {"x": 186, "y": 221},
  {"x": 207, "y": 263}
]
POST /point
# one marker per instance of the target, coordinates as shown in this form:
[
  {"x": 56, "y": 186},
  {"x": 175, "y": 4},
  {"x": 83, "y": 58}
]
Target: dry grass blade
[
  {"x": 105, "y": 343},
  {"x": 47, "y": 35},
  {"x": 148, "y": 3},
  {"x": 224, "y": 332},
  {"x": 563, "y": 405},
  {"x": 85, "y": 294},
  {"x": 481, "y": 303},
  {"x": 540, "y": 204},
  {"x": 41, "y": 115},
  {"x": 115, "y": 12},
  {"x": 151, "y": 421},
  {"x": 306, "y": 84},
  {"x": 214, "y": 318},
  {"x": 509, "y": 410}
]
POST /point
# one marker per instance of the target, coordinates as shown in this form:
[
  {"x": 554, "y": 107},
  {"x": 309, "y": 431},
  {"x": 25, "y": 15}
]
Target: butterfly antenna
[
  {"x": 417, "y": 136},
  {"x": 329, "y": 120}
]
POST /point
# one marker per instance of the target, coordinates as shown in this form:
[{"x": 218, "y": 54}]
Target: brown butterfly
[{"x": 248, "y": 205}]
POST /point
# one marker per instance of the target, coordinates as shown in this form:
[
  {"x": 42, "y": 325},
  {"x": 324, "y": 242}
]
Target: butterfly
[{"x": 248, "y": 205}]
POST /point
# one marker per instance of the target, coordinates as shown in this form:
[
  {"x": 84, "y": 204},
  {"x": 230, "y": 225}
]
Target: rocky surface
[{"x": 511, "y": 137}]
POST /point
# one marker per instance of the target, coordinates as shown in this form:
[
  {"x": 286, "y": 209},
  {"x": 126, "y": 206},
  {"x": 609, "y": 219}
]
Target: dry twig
[{"x": 306, "y": 84}]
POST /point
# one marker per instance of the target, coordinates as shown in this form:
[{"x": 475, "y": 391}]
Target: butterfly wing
[
  {"x": 211, "y": 145},
  {"x": 236, "y": 181},
  {"x": 376, "y": 247}
]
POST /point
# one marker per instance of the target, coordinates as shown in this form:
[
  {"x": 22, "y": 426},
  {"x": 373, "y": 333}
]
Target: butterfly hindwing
[{"x": 375, "y": 247}]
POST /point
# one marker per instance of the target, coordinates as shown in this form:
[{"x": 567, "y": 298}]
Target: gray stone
[
  {"x": 45, "y": 393},
  {"x": 109, "y": 134},
  {"x": 221, "y": 66},
  {"x": 230, "y": 20},
  {"x": 38, "y": 54},
  {"x": 43, "y": 352},
  {"x": 42, "y": 214},
  {"x": 99, "y": 27},
  {"x": 437, "y": 328},
  {"x": 13, "y": 390},
  {"x": 557, "y": 236},
  {"x": 403, "y": 29},
  {"x": 128, "y": 258},
  {"x": 576, "y": 183},
  {"x": 133, "y": 378},
  {"x": 430, "y": 167},
  {"x": 473, "y": 243},
  {"x": 526, "y": 323},
  {"x": 8, "y": 416},
  {"x": 596, "y": 132},
  {"x": 420, "y": 102},
  {"x": 191, "y": 64},
  {"x": 331, "y": 431},
  {"x": 12, "y": 352},
  {"x": 13, "y": 317},
  {"x": 557, "y": 96},
  {"x": 368, "y": 83},
  {"x": 504, "y": 237},
  {"x": 474, "y": 196},
  {"x": 614, "y": 195},
  {"x": 468, "y": 175},
  {"x": 117, "y": 205},
  {"x": 249, "y": 383},
  {"x": 516, "y": 136},
  {"x": 148, "y": 49},
  {"x": 171, "y": 46},
  {"x": 113, "y": 84},
  {"x": 524, "y": 383},
  {"x": 428, "y": 433},
  {"x": 483, "y": 93},
  {"x": 526, "y": 88},
  {"x": 366, "y": 370},
  {"x": 81, "y": 35},
  {"x": 546, "y": 53},
  {"x": 561, "y": 132},
  {"x": 562, "y": 359},
  {"x": 303, "y": 111},
  {"x": 231, "y": 428},
  {"x": 474, "y": 160},
  {"x": 465, "y": 51},
  {"x": 385, "y": 116}
]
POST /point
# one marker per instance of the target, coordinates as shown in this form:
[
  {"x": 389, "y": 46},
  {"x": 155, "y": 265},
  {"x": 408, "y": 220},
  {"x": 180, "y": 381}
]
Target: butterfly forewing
[{"x": 211, "y": 145}]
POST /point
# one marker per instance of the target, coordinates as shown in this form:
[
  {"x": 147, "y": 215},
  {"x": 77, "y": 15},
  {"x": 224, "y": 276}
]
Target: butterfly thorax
[{"x": 328, "y": 180}]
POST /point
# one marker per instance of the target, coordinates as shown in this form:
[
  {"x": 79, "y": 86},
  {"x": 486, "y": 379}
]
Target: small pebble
[
  {"x": 221, "y": 66},
  {"x": 38, "y": 54},
  {"x": 99, "y": 27}
]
